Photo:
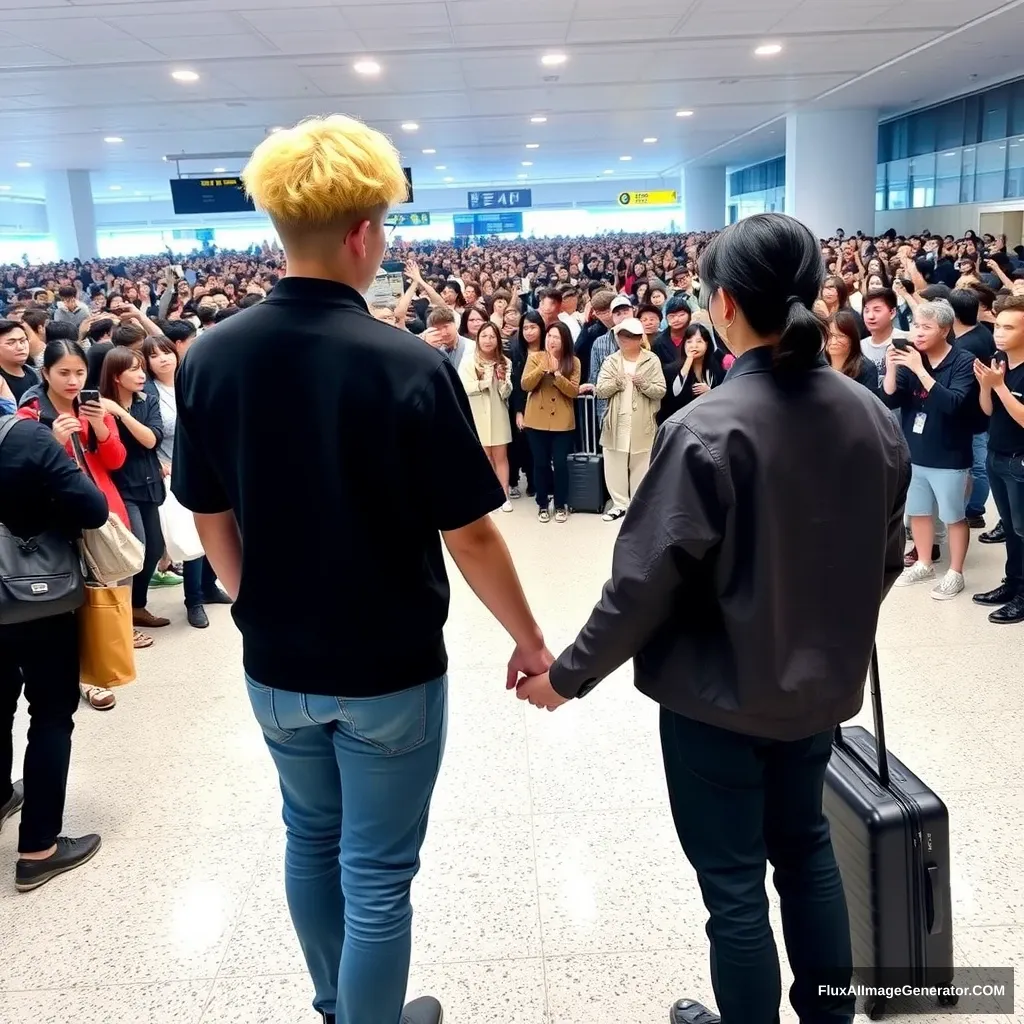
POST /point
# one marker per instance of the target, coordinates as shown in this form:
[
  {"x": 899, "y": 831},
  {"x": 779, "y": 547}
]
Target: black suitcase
[
  {"x": 587, "y": 490},
  {"x": 891, "y": 837}
]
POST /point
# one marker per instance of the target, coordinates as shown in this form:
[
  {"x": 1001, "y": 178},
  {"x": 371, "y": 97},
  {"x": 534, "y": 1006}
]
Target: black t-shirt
[
  {"x": 979, "y": 342},
  {"x": 1005, "y": 434},
  {"x": 94, "y": 357},
  {"x": 19, "y": 385},
  {"x": 340, "y": 487}
]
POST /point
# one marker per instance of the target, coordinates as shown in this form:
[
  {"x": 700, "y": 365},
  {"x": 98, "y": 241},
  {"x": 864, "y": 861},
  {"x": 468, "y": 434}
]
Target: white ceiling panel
[{"x": 469, "y": 72}]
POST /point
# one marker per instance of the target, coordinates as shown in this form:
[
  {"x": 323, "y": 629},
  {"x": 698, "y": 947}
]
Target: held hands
[
  {"x": 539, "y": 692},
  {"x": 528, "y": 676},
  {"x": 992, "y": 377}
]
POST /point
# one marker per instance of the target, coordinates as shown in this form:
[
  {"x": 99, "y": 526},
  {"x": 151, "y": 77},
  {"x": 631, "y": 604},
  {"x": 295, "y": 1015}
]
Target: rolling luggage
[
  {"x": 587, "y": 490},
  {"x": 891, "y": 837}
]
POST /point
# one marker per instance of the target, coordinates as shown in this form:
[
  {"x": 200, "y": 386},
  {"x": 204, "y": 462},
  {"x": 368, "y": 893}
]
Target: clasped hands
[{"x": 528, "y": 676}]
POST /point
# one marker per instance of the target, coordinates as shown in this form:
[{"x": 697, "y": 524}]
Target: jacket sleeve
[
  {"x": 569, "y": 386},
  {"x": 598, "y": 355},
  {"x": 154, "y": 419},
  {"x": 675, "y": 518},
  {"x": 80, "y": 504},
  {"x": 962, "y": 388},
  {"x": 897, "y": 531},
  {"x": 467, "y": 374},
  {"x": 533, "y": 373},
  {"x": 902, "y": 393},
  {"x": 608, "y": 381},
  {"x": 505, "y": 386},
  {"x": 653, "y": 384},
  {"x": 112, "y": 451}
]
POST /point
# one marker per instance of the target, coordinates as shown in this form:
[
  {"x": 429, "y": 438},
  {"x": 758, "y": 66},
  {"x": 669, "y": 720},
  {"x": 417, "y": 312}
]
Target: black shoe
[
  {"x": 71, "y": 854},
  {"x": 910, "y": 558},
  {"x": 197, "y": 617},
  {"x": 1003, "y": 594},
  {"x": 686, "y": 1011},
  {"x": 975, "y": 522},
  {"x": 530, "y": 492},
  {"x": 216, "y": 596},
  {"x": 13, "y": 805},
  {"x": 1009, "y": 614},
  {"x": 328, "y": 1017},
  {"x": 425, "y": 1010},
  {"x": 997, "y": 535}
]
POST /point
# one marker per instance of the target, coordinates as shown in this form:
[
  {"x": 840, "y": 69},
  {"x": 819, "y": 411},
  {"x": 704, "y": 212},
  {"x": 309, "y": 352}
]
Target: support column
[
  {"x": 704, "y": 198},
  {"x": 831, "y": 168},
  {"x": 70, "y": 214}
]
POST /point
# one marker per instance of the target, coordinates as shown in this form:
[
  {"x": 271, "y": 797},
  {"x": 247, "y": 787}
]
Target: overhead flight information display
[{"x": 210, "y": 195}]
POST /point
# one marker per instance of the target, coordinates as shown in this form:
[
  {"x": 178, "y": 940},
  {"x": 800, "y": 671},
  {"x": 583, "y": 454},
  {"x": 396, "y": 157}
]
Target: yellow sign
[
  {"x": 668, "y": 197},
  {"x": 216, "y": 182}
]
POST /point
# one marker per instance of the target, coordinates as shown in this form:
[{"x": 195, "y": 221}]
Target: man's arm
[{"x": 223, "y": 546}]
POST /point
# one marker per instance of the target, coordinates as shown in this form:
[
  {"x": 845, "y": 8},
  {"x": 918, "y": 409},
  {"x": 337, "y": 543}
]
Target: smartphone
[
  {"x": 89, "y": 395},
  {"x": 901, "y": 343}
]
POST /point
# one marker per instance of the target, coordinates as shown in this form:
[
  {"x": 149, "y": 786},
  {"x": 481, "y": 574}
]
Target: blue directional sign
[
  {"x": 500, "y": 223},
  {"x": 500, "y": 199}
]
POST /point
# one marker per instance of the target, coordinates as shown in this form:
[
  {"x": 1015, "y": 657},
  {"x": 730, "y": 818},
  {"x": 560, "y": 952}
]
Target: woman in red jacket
[{"x": 56, "y": 404}]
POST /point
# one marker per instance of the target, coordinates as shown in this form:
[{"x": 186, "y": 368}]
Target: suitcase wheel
[
  {"x": 948, "y": 999},
  {"x": 875, "y": 1007}
]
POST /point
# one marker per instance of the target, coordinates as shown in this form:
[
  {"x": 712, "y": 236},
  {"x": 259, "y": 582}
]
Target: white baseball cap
[
  {"x": 621, "y": 302},
  {"x": 629, "y": 326}
]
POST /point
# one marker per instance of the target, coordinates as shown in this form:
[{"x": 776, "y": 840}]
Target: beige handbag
[{"x": 111, "y": 553}]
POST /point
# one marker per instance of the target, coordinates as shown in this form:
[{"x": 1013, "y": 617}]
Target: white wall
[{"x": 943, "y": 220}]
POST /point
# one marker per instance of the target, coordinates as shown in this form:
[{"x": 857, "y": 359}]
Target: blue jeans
[
  {"x": 199, "y": 580},
  {"x": 377, "y": 758},
  {"x": 979, "y": 477}
]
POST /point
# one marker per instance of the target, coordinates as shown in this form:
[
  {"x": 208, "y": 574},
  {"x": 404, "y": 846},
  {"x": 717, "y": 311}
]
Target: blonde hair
[{"x": 324, "y": 170}]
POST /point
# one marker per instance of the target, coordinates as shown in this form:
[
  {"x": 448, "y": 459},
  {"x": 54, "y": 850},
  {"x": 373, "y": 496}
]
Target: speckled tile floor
[{"x": 553, "y": 890}]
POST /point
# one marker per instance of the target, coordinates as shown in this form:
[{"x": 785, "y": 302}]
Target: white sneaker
[
  {"x": 950, "y": 585},
  {"x": 917, "y": 573},
  {"x": 507, "y": 507},
  {"x": 612, "y": 514}
]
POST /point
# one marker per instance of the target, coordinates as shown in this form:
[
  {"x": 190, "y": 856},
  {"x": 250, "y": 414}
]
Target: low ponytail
[{"x": 802, "y": 339}]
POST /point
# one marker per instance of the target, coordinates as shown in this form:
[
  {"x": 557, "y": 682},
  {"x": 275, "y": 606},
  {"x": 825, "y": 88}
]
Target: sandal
[
  {"x": 140, "y": 640},
  {"x": 97, "y": 697}
]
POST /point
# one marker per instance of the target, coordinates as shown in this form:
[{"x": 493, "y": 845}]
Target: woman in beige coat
[
  {"x": 486, "y": 374},
  {"x": 634, "y": 384}
]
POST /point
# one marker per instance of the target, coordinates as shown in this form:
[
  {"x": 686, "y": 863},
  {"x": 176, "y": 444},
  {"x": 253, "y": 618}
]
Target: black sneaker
[
  {"x": 13, "y": 804},
  {"x": 1009, "y": 615},
  {"x": 71, "y": 854},
  {"x": 976, "y": 522},
  {"x": 686, "y": 1011},
  {"x": 216, "y": 596},
  {"x": 328, "y": 1017},
  {"x": 997, "y": 535},
  {"x": 425, "y": 1010},
  {"x": 1003, "y": 594},
  {"x": 197, "y": 617}
]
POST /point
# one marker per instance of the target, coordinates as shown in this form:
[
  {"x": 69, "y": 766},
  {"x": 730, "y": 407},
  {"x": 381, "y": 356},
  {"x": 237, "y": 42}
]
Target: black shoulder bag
[{"x": 39, "y": 576}]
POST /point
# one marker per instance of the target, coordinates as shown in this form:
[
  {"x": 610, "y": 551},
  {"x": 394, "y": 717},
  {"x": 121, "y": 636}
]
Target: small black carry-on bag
[
  {"x": 587, "y": 490},
  {"x": 891, "y": 837}
]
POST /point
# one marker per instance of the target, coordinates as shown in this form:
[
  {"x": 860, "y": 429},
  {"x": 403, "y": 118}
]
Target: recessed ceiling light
[
  {"x": 429, "y": 152},
  {"x": 113, "y": 138},
  {"x": 137, "y": 192},
  {"x": 410, "y": 126},
  {"x": 115, "y": 188},
  {"x": 533, "y": 145},
  {"x": 539, "y": 119},
  {"x": 625, "y": 158},
  {"x": 651, "y": 138},
  {"x": 449, "y": 179},
  {"x": 219, "y": 170},
  {"x": 521, "y": 176},
  {"x": 367, "y": 67},
  {"x": 22, "y": 163},
  {"x": 684, "y": 113},
  {"x": 608, "y": 172},
  {"x": 5, "y": 188},
  {"x": 185, "y": 76},
  {"x": 440, "y": 167},
  {"x": 550, "y": 60},
  {"x": 164, "y": 159},
  {"x": 768, "y": 49},
  {"x": 527, "y": 163}
]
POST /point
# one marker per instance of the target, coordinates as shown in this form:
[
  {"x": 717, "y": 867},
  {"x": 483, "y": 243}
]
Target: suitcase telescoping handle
[
  {"x": 882, "y": 767},
  {"x": 589, "y": 417}
]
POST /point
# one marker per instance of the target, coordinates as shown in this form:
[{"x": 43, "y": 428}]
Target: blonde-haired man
[{"x": 324, "y": 518}]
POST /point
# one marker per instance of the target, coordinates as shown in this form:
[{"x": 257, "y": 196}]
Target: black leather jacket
[{"x": 748, "y": 574}]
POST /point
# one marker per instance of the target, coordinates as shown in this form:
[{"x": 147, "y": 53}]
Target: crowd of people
[{"x": 539, "y": 334}]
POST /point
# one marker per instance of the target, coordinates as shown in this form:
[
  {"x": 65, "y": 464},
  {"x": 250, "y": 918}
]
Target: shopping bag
[
  {"x": 181, "y": 539},
  {"x": 106, "y": 654}
]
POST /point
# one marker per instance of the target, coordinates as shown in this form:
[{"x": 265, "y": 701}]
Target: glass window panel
[
  {"x": 1017, "y": 108},
  {"x": 922, "y": 132},
  {"x": 898, "y": 184},
  {"x": 884, "y": 143},
  {"x": 947, "y": 177},
  {"x": 1015, "y": 172},
  {"x": 995, "y": 111},
  {"x": 880, "y": 198},
  {"x": 949, "y": 129},
  {"x": 922, "y": 181},
  {"x": 900, "y": 138},
  {"x": 990, "y": 180},
  {"x": 972, "y": 120},
  {"x": 967, "y": 168}
]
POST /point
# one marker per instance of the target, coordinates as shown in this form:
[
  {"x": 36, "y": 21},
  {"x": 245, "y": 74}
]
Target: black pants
[
  {"x": 1006, "y": 478},
  {"x": 42, "y": 658},
  {"x": 739, "y": 802},
  {"x": 520, "y": 458},
  {"x": 551, "y": 450},
  {"x": 144, "y": 517}
]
